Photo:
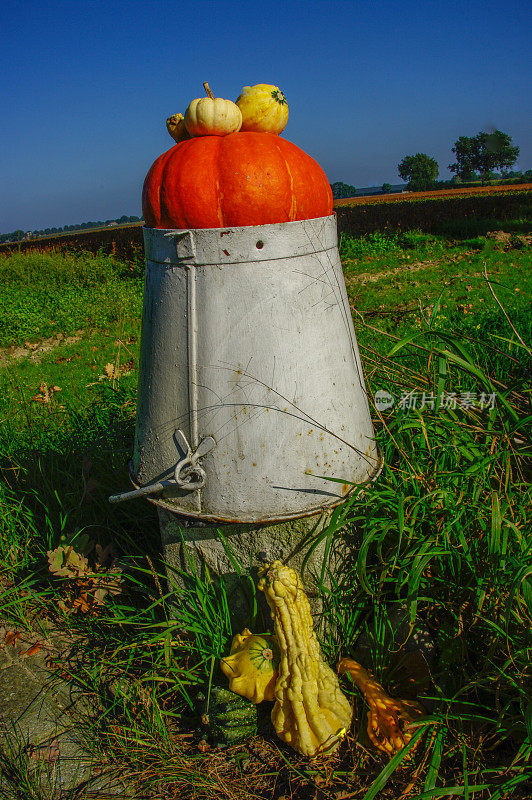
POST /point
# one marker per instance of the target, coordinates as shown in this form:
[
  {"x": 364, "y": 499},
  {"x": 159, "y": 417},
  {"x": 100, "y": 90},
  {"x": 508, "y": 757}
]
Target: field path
[
  {"x": 373, "y": 277},
  {"x": 35, "y": 350}
]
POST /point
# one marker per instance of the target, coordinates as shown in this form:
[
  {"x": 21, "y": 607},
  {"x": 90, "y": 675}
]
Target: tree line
[
  {"x": 19, "y": 235},
  {"x": 476, "y": 159}
]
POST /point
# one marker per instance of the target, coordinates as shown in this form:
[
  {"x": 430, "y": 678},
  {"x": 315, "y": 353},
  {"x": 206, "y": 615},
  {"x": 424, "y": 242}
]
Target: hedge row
[
  {"x": 125, "y": 242},
  {"x": 399, "y": 197},
  {"x": 459, "y": 214}
]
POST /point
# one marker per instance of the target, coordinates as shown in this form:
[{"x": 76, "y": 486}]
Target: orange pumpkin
[{"x": 244, "y": 178}]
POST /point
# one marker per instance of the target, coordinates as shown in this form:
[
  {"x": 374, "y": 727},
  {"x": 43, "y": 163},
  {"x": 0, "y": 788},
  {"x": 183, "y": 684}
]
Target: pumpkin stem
[{"x": 208, "y": 90}]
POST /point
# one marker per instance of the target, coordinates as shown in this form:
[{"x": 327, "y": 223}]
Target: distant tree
[
  {"x": 386, "y": 188},
  {"x": 465, "y": 149},
  {"x": 499, "y": 152},
  {"x": 420, "y": 171},
  {"x": 340, "y": 189},
  {"x": 483, "y": 153}
]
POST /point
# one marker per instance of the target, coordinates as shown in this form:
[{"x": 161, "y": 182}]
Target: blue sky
[{"x": 87, "y": 87}]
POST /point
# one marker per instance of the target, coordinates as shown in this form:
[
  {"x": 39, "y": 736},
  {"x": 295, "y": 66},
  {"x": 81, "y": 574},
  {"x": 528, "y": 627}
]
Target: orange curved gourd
[{"x": 244, "y": 178}]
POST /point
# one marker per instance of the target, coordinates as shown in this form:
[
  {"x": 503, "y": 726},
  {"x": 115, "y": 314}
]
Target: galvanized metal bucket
[{"x": 251, "y": 391}]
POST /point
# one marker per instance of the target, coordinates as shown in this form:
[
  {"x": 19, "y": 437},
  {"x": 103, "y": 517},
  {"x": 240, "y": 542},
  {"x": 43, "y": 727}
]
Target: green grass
[
  {"x": 441, "y": 542},
  {"x": 48, "y": 293},
  {"x": 394, "y": 281}
]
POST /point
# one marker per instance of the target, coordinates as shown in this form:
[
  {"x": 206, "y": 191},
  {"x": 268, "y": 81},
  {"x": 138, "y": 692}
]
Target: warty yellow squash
[
  {"x": 311, "y": 713},
  {"x": 175, "y": 126}
]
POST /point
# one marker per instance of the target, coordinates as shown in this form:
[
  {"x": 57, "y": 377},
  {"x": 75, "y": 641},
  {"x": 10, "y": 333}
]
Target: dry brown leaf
[
  {"x": 48, "y": 752},
  {"x": 85, "y": 589},
  {"x": 99, "y": 596},
  {"x": 32, "y": 650},
  {"x": 128, "y": 367},
  {"x": 104, "y": 554},
  {"x": 83, "y": 603},
  {"x": 11, "y": 637},
  {"x": 64, "y": 562},
  {"x": 110, "y": 371},
  {"x": 46, "y": 393}
]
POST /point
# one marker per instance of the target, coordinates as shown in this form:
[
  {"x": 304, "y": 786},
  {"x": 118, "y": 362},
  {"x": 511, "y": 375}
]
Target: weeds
[
  {"x": 45, "y": 293},
  {"x": 370, "y": 244}
]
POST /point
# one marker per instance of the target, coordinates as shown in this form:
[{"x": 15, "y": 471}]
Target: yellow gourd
[
  {"x": 311, "y": 713},
  {"x": 212, "y": 116},
  {"x": 175, "y": 126},
  {"x": 251, "y": 665},
  {"x": 264, "y": 108}
]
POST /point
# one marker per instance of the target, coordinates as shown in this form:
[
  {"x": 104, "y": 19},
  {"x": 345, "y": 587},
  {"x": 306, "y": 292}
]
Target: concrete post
[{"x": 288, "y": 541}]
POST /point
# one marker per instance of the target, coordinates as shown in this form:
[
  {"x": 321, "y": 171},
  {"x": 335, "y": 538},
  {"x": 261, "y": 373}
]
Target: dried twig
[{"x": 510, "y": 323}]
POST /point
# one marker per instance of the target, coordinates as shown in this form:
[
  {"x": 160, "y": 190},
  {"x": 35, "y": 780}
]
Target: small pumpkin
[
  {"x": 251, "y": 665},
  {"x": 212, "y": 116},
  {"x": 175, "y": 126},
  {"x": 240, "y": 179},
  {"x": 264, "y": 108}
]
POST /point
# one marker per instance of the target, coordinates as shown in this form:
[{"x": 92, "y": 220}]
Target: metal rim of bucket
[{"x": 206, "y": 518}]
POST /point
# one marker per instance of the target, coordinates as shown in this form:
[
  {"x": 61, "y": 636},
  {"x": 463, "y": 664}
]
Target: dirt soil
[{"x": 35, "y": 350}]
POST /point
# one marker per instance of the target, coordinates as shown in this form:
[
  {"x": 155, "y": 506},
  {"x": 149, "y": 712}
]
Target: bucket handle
[{"x": 188, "y": 474}]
